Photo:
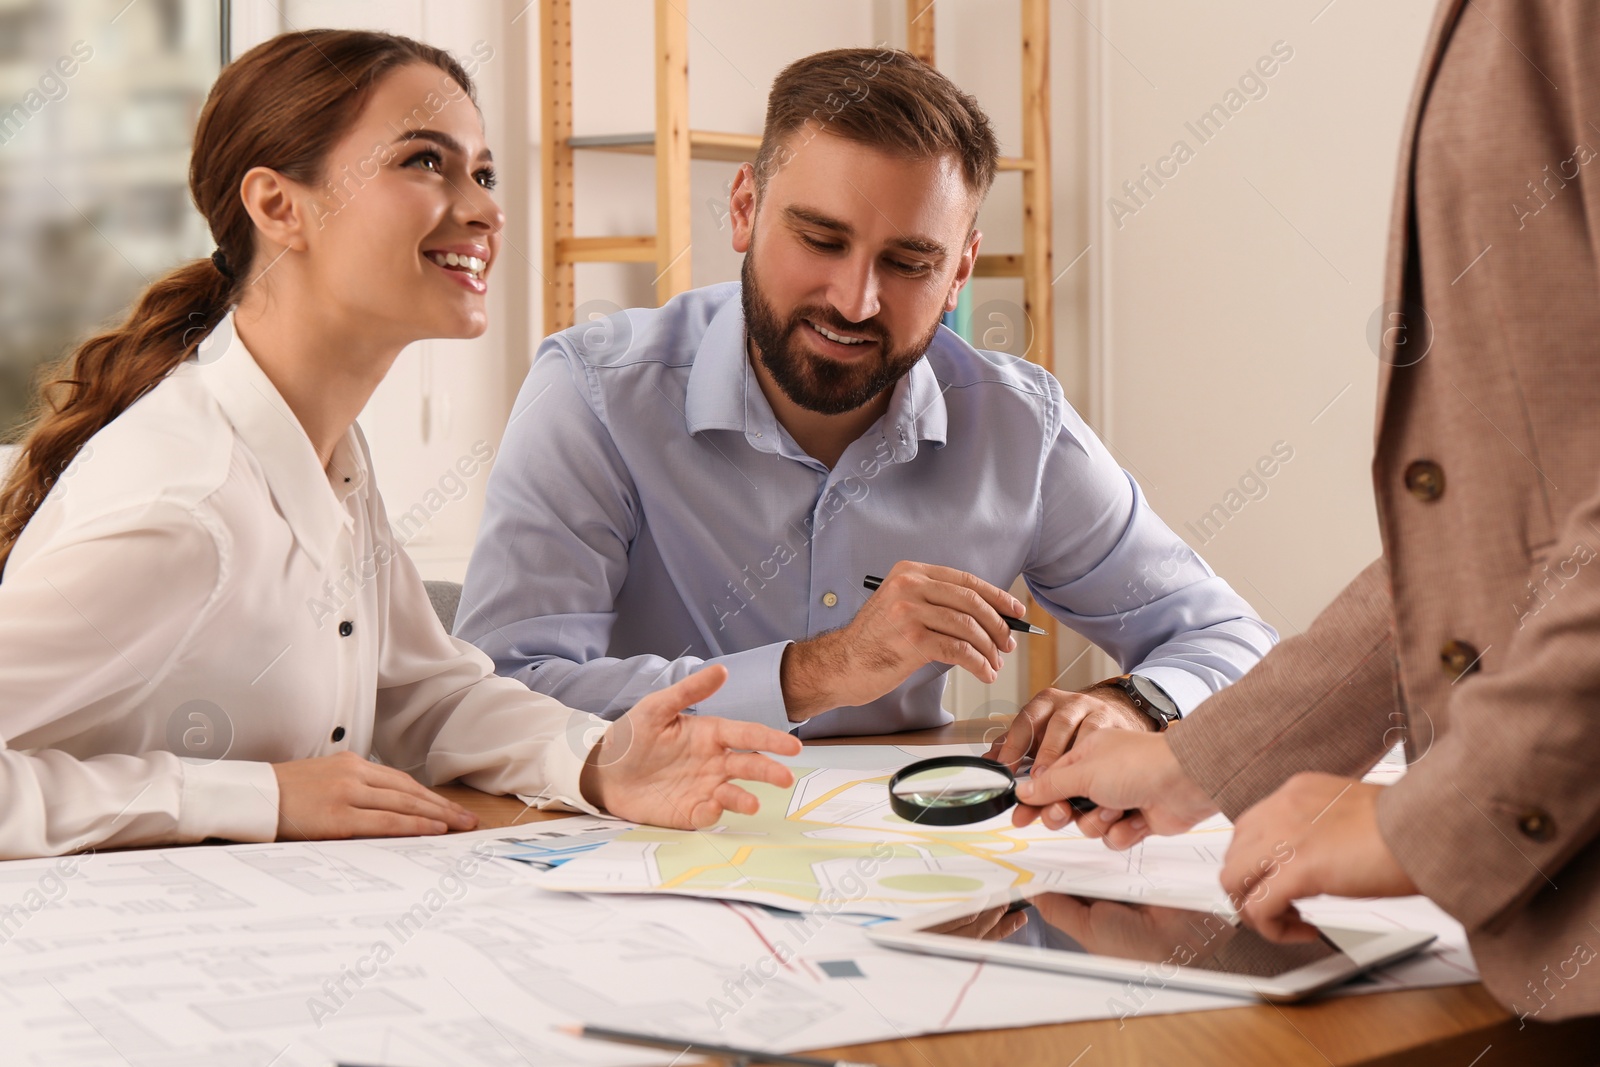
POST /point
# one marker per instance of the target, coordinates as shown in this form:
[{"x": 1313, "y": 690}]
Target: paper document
[
  {"x": 432, "y": 952},
  {"x": 831, "y": 842},
  {"x": 444, "y": 951}
]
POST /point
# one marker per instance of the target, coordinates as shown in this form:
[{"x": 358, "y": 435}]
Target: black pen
[
  {"x": 1022, "y": 626},
  {"x": 698, "y": 1048}
]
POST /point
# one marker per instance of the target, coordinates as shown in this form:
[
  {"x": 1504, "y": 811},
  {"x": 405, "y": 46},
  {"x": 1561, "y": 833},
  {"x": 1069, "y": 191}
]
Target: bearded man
[{"x": 713, "y": 480}]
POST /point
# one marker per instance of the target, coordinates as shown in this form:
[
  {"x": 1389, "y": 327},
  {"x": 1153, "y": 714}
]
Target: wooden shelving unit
[{"x": 674, "y": 144}]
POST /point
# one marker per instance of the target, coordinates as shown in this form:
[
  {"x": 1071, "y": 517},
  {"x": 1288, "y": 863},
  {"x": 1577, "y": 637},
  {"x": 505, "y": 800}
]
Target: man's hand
[
  {"x": 1318, "y": 833},
  {"x": 921, "y": 614},
  {"x": 1119, "y": 770},
  {"x": 1049, "y": 724},
  {"x": 657, "y": 765}
]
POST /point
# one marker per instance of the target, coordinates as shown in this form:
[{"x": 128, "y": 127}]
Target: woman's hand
[
  {"x": 1318, "y": 833},
  {"x": 1120, "y": 770},
  {"x": 347, "y": 796},
  {"x": 657, "y": 765},
  {"x": 991, "y": 924}
]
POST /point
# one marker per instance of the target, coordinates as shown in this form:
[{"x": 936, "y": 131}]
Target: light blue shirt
[{"x": 648, "y": 515}]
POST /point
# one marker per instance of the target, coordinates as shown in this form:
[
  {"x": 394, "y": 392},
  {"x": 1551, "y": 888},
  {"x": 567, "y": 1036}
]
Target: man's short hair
[{"x": 883, "y": 97}]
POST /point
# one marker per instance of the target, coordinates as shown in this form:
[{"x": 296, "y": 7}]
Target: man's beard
[{"x": 816, "y": 382}]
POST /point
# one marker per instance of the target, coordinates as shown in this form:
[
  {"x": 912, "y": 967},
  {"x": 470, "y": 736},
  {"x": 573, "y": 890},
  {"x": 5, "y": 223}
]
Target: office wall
[{"x": 1234, "y": 296}]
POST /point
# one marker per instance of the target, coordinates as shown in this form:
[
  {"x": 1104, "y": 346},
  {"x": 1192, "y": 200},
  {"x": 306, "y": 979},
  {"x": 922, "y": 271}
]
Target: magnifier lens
[
  {"x": 952, "y": 787},
  {"x": 952, "y": 790}
]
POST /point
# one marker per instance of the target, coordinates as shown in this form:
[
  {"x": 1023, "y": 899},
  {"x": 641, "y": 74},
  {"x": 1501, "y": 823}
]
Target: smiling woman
[{"x": 195, "y": 478}]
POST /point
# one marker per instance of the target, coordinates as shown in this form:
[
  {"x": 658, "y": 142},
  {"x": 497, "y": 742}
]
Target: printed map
[{"x": 831, "y": 840}]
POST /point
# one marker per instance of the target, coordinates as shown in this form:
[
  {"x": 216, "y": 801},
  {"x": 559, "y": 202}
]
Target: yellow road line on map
[
  {"x": 830, "y": 794},
  {"x": 694, "y": 872}
]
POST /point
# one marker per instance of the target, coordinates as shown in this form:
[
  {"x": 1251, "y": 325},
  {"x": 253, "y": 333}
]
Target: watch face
[{"x": 1153, "y": 695}]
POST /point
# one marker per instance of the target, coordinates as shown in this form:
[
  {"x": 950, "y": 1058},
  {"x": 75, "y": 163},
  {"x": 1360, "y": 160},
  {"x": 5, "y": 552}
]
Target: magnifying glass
[{"x": 956, "y": 790}]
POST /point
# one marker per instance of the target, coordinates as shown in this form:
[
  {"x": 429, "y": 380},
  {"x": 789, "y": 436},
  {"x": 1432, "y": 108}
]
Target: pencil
[{"x": 745, "y": 1055}]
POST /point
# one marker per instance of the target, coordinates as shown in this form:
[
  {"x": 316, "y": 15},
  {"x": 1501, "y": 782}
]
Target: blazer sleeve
[
  {"x": 1324, "y": 700},
  {"x": 1488, "y": 816}
]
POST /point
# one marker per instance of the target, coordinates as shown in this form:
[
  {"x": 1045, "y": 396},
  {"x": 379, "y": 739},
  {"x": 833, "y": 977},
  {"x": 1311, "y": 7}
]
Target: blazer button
[
  {"x": 338, "y": 733},
  {"x": 346, "y": 628},
  {"x": 1425, "y": 480},
  {"x": 1537, "y": 825},
  {"x": 1458, "y": 658}
]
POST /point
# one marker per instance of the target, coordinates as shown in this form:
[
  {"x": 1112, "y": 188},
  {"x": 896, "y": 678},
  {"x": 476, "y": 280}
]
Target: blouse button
[
  {"x": 338, "y": 733},
  {"x": 346, "y": 628}
]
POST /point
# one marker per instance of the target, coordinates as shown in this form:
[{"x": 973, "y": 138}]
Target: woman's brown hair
[{"x": 284, "y": 105}]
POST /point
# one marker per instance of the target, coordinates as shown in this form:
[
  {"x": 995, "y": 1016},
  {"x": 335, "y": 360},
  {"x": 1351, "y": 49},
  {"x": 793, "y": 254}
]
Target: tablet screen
[{"x": 1058, "y": 922}]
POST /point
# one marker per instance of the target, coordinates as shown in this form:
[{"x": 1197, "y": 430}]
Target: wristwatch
[{"x": 1148, "y": 697}]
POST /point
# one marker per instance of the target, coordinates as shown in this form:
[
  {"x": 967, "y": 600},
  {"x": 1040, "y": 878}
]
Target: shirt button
[
  {"x": 1458, "y": 658},
  {"x": 346, "y": 628},
  {"x": 1537, "y": 825},
  {"x": 338, "y": 733},
  {"x": 1425, "y": 480},
  {"x": 829, "y": 599}
]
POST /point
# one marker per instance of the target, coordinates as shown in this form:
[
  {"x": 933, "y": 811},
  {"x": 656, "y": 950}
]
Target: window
[{"x": 98, "y": 103}]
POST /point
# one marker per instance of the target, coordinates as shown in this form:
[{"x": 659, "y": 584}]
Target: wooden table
[{"x": 1454, "y": 1026}]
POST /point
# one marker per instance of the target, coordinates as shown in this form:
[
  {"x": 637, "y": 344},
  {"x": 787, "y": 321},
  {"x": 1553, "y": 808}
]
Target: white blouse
[{"x": 197, "y": 598}]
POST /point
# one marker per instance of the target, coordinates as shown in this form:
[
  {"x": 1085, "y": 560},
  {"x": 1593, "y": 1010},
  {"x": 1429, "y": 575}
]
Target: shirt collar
[
  {"x": 723, "y": 395},
  {"x": 311, "y": 499},
  {"x": 715, "y": 396},
  {"x": 916, "y": 408}
]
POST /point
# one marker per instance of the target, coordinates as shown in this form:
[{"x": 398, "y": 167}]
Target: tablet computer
[{"x": 1148, "y": 941}]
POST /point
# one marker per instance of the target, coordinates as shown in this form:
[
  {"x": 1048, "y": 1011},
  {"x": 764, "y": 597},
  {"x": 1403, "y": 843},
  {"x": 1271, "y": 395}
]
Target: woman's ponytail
[{"x": 107, "y": 373}]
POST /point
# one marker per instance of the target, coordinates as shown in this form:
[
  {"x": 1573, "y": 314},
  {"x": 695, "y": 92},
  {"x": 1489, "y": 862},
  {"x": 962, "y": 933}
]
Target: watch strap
[{"x": 1163, "y": 717}]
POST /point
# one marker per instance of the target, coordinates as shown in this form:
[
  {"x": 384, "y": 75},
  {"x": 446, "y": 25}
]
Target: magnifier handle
[{"x": 1081, "y": 805}]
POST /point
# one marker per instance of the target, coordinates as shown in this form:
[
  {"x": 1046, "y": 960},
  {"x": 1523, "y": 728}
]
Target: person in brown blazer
[{"x": 1475, "y": 638}]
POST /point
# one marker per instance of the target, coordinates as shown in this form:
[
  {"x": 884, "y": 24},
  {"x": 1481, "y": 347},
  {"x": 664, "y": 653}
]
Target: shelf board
[
  {"x": 703, "y": 144},
  {"x": 998, "y": 265},
  {"x": 641, "y": 249},
  {"x": 710, "y": 144}
]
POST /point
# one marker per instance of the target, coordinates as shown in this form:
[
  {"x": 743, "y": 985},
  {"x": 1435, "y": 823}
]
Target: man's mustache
[{"x": 826, "y": 316}]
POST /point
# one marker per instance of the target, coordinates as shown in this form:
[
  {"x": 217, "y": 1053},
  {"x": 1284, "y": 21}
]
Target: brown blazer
[{"x": 1476, "y": 637}]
